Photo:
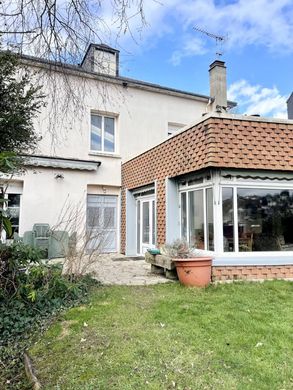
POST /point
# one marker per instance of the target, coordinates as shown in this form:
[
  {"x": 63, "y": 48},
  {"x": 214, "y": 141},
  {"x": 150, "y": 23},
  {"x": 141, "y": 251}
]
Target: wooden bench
[{"x": 162, "y": 265}]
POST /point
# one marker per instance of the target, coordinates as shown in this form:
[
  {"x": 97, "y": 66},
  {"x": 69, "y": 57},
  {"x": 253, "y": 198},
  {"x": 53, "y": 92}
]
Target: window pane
[
  {"x": 173, "y": 128},
  {"x": 13, "y": 200},
  {"x": 93, "y": 217},
  {"x": 145, "y": 222},
  {"x": 109, "y": 136},
  {"x": 13, "y": 209},
  {"x": 109, "y": 217},
  {"x": 154, "y": 222},
  {"x": 265, "y": 219},
  {"x": 138, "y": 226},
  {"x": 196, "y": 218},
  {"x": 96, "y": 132},
  {"x": 210, "y": 219},
  {"x": 228, "y": 219},
  {"x": 183, "y": 216}
]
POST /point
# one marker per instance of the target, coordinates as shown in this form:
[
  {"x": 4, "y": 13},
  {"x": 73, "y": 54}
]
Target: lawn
[{"x": 232, "y": 336}]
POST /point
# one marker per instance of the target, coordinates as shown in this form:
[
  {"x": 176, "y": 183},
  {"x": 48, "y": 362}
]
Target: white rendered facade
[{"x": 68, "y": 166}]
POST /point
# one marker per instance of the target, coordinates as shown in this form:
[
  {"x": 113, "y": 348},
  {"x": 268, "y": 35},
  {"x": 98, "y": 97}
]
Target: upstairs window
[
  {"x": 102, "y": 133},
  {"x": 173, "y": 128}
]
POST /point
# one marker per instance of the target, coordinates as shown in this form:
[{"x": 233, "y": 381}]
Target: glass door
[
  {"x": 102, "y": 223},
  {"x": 145, "y": 224}
]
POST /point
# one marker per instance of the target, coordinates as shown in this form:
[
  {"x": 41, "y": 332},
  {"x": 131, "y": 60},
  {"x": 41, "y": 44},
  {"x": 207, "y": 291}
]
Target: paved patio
[{"x": 120, "y": 270}]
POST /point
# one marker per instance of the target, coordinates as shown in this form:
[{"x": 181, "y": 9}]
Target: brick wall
[
  {"x": 252, "y": 272},
  {"x": 223, "y": 142}
]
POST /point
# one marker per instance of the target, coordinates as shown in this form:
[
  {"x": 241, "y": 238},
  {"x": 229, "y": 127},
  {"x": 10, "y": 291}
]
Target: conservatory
[
  {"x": 224, "y": 184},
  {"x": 247, "y": 214}
]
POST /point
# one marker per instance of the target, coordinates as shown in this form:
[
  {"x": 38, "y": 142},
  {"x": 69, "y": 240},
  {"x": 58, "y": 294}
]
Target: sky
[{"x": 258, "y": 49}]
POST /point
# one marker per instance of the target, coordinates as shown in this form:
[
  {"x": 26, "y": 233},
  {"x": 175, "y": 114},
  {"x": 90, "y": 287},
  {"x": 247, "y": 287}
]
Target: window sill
[{"x": 102, "y": 154}]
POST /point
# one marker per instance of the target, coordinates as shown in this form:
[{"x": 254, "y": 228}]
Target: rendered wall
[{"x": 142, "y": 116}]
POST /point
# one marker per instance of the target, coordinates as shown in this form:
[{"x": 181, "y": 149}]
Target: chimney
[
  {"x": 101, "y": 59},
  {"x": 290, "y": 106},
  {"x": 218, "y": 86}
]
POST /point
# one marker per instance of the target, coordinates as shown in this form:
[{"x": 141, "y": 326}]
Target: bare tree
[
  {"x": 83, "y": 236},
  {"x": 58, "y": 32},
  {"x": 61, "y": 29}
]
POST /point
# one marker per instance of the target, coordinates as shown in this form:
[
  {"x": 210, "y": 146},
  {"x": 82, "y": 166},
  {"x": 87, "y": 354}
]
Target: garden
[{"x": 226, "y": 336}]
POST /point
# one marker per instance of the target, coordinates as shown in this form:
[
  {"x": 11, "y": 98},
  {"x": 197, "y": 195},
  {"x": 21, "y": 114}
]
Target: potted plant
[{"x": 193, "y": 267}]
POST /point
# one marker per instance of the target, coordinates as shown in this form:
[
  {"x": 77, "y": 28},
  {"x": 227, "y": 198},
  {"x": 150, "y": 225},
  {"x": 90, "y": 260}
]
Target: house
[
  {"x": 290, "y": 106},
  {"x": 224, "y": 183},
  {"x": 94, "y": 121},
  {"x": 145, "y": 164}
]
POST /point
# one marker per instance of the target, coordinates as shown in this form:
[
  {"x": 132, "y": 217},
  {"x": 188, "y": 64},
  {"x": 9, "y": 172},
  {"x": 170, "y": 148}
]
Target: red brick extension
[
  {"x": 252, "y": 272},
  {"x": 219, "y": 142}
]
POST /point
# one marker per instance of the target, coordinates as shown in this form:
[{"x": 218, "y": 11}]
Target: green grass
[{"x": 233, "y": 336}]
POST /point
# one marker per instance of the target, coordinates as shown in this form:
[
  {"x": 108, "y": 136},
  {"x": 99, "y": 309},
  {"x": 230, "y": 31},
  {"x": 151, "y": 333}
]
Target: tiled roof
[
  {"x": 218, "y": 141},
  {"x": 255, "y": 144}
]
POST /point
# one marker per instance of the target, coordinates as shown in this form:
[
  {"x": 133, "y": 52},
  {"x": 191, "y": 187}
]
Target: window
[
  {"x": 210, "y": 219},
  {"x": 183, "y": 216},
  {"x": 197, "y": 226},
  {"x": 12, "y": 209},
  {"x": 102, "y": 223},
  {"x": 228, "y": 219},
  {"x": 264, "y": 219},
  {"x": 173, "y": 128},
  {"x": 196, "y": 219},
  {"x": 102, "y": 133}
]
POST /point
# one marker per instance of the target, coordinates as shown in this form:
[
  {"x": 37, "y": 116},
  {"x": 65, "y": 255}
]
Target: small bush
[
  {"x": 31, "y": 292},
  {"x": 14, "y": 262}
]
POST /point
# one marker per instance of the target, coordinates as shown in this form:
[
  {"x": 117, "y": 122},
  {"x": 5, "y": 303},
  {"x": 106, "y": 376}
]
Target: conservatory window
[
  {"x": 228, "y": 219},
  {"x": 197, "y": 225},
  {"x": 263, "y": 217}
]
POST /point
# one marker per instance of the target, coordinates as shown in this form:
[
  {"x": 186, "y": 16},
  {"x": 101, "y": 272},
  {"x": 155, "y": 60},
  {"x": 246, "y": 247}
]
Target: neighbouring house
[
  {"x": 94, "y": 121},
  {"x": 290, "y": 106},
  {"x": 223, "y": 183}
]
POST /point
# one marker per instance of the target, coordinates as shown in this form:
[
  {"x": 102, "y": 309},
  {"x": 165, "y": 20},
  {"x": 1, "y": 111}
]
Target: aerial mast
[{"x": 218, "y": 38}]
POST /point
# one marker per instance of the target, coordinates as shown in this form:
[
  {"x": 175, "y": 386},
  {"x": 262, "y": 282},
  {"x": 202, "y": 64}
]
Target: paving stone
[{"x": 118, "y": 270}]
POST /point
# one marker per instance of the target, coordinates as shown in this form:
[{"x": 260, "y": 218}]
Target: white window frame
[
  {"x": 153, "y": 223},
  {"x": 103, "y": 115},
  {"x": 235, "y": 183},
  {"x": 118, "y": 215},
  {"x": 6, "y": 207},
  {"x": 174, "y": 124},
  {"x": 196, "y": 187}
]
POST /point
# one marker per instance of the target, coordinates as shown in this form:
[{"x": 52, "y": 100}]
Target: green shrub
[
  {"x": 14, "y": 263},
  {"x": 31, "y": 293}
]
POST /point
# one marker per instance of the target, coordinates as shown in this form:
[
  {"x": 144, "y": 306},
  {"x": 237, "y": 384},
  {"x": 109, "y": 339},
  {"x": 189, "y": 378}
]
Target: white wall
[
  {"x": 142, "y": 118},
  {"x": 45, "y": 199},
  {"x": 142, "y": 115}
]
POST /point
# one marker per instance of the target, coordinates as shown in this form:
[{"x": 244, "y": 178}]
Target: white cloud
[
  {"x": 192, "y": 46},
  {"x": 245, "y": 22},
  {"x": 256, "y": 99}
]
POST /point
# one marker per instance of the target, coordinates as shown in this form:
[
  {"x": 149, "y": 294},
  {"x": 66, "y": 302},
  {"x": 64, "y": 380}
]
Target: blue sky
[{"x": 258, "y": 51}]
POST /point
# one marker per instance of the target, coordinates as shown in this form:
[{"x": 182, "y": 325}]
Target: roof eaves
[{"x": 127, "y": 80}]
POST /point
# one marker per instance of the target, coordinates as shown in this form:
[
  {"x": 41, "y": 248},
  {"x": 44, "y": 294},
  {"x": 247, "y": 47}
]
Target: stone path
[{"x": 118, "y": 270}]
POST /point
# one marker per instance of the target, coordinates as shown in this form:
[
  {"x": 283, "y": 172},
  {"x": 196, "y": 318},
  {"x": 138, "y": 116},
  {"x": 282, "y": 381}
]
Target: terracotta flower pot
[{"x": 195, "y": 271}]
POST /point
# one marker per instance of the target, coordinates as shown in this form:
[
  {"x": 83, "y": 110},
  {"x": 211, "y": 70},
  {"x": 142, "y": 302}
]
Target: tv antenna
[{"x": 218, "y": 38}]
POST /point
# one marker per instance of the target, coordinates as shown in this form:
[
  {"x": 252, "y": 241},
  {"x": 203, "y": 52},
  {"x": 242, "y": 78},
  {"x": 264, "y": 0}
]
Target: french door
[
  {"x": 145, "y": 224},
  {"x": 102, "y": 223}
]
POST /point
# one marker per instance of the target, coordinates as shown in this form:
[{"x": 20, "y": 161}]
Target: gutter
[{"x": 123, "y": 81}]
